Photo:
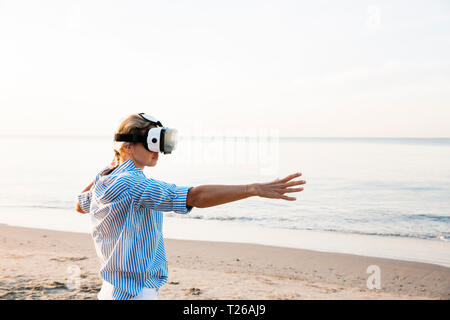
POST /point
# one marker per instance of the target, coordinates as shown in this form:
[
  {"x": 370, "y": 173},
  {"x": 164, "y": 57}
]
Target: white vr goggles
[{"x": 159, "y": 139}]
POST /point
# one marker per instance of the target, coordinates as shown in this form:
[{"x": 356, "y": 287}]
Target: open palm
[{"x": 277, "y": 188}]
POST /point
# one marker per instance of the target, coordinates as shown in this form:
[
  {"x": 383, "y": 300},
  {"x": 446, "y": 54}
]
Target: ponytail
[{"x": 117, "y": 161}]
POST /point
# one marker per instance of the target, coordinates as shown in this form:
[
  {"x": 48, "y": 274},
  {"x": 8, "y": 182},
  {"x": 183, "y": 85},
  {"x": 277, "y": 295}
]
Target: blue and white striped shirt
[{"x": 126, "y": 209}]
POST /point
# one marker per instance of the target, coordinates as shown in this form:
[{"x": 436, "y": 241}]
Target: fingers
[
  {"x": 288, "y": 198},
  {"x": 293, "y": 183},
  {"x": 292, "y": 190},
  {"x": 290, "y": 177},
  {"x": 278, "y": 187}
]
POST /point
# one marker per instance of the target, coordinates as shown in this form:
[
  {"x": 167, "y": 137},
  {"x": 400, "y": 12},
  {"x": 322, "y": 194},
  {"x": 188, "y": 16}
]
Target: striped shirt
[{"x": 126, "y": 210}]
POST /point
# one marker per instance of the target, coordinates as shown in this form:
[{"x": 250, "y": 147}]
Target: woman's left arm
[{"x": 213, "y": 195}]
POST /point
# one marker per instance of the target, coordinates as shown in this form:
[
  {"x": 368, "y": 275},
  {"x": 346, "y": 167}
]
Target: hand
[{"x": 277, "y": 188}]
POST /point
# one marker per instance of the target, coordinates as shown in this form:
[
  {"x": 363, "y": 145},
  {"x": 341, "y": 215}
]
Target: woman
[{"x": 127, "y": 208}]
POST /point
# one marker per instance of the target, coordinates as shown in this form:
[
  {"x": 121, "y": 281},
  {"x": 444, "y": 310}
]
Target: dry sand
[{"x": 42, "y": 264}]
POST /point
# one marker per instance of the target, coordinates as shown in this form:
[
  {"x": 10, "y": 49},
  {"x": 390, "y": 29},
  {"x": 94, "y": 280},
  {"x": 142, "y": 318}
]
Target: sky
[{"x": 304, "y": 68}]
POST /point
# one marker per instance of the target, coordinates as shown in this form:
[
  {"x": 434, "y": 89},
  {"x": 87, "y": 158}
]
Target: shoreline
[
  {"x": 42, "y": 264},
  {"x": 400, "y": 248}
]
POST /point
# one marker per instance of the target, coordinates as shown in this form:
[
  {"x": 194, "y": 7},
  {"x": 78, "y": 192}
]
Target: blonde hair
[{"x": 133, "y": 124}]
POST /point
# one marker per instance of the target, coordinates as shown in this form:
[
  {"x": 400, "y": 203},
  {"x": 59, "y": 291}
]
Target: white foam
[{"x": 409, "y": 249}]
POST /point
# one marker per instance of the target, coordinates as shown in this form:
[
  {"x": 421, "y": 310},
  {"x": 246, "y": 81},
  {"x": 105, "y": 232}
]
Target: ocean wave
[
  {"x": 322, "y": 223},
  {"x": 430, "y": 217},
  {"x": 270, "y": 222}
]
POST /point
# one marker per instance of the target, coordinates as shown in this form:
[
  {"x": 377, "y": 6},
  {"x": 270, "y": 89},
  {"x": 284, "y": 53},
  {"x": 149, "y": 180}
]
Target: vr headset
[{"x": 159, "y": 139}]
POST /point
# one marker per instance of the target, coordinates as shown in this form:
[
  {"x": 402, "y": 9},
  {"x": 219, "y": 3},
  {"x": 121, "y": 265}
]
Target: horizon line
[{"x": 222, "y": 136}]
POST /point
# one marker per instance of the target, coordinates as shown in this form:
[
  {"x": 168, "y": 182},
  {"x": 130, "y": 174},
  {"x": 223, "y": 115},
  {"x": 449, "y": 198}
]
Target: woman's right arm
[
  {"x": 78, "y": 207},
  {"x": 111, "y": 165},
  {"x": 213, "y": 195}
]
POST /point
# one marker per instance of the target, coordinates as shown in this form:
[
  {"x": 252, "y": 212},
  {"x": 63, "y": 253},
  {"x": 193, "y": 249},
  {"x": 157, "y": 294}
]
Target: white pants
[{"x": 146, "y": 293}]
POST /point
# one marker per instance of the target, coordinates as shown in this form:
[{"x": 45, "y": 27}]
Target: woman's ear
[{"x": 128, "y": 149}]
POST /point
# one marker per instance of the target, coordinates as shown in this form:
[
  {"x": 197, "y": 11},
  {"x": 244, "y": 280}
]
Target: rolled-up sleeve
[
  {"x": 179, "y": 203},
  {"x": 161, "y": 196},
  {"x": 84, "y": 199}
]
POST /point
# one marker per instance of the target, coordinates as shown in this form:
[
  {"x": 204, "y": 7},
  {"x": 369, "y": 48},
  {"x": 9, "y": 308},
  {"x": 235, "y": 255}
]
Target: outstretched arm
[{"x": 213, "y": 195}]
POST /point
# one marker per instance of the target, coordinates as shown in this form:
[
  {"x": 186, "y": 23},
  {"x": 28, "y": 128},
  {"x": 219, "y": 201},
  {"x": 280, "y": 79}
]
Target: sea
[{"x": 383, "y": 197}]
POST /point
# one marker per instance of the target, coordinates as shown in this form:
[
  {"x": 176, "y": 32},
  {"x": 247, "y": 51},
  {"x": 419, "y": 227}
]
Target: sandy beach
[{"x": 43, "y": 264}]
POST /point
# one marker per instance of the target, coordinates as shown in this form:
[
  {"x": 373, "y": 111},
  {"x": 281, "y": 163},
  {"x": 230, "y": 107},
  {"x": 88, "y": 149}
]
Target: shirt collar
[{"x": 127, "y": 166}]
